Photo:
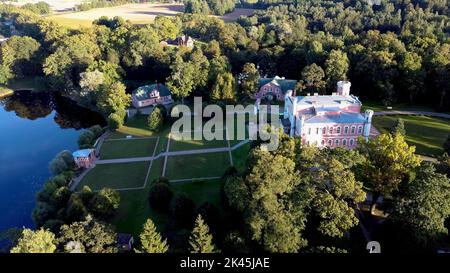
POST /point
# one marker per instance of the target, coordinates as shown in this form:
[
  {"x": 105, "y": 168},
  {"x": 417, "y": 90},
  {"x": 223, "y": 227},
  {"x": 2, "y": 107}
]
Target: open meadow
[{"x": 136, "y": 13}]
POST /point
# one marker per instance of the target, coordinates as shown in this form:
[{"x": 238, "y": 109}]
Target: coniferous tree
[
  {"x": 151, "y": 240},
  {"x": 399, "y": 127},
  {"x": 155, "y": 120},
  {"x": 200, "y": 240}
]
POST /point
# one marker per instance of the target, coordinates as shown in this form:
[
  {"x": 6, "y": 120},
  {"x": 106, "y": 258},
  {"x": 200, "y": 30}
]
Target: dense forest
[
  {"x": 394, "y": 52},
  {"x": 398, "y": 51}
]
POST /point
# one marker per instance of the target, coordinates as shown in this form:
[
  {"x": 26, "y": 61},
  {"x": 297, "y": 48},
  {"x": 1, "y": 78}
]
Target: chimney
[{"x": 343, "y": 88}]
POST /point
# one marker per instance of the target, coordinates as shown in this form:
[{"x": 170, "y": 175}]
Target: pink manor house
[{"x": 327, "y": 121}]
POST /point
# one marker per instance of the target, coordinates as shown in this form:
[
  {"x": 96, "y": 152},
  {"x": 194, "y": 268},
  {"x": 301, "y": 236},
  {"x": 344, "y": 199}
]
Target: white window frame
[{"x": 360, "y": 129}]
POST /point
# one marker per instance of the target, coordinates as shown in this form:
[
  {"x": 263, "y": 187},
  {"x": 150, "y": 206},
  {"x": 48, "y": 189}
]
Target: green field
[
  {"x": 201, "y": 191},
  {"x": 378, "y": 107},
  {"x": 183, "y": 145},
  {"x": 120, "y": 175},
  {"x": 137, "y": 127},
  {"x": 73, "y": 23},
  {"x": 240, "y": 156},
  {"x": 197, "y": 165},
  {"x": 134, "y": 207},
  {"x": 428, "y": 134},
  {"x": 125, "y": 148}
]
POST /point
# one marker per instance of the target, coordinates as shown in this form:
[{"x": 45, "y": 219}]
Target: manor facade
[{"x": 327, "y": 120}]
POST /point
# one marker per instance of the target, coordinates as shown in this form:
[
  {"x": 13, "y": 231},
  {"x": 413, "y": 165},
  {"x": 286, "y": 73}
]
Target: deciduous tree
[
  {"x": 40, "y": 241},
  {"x": 94, "y": 236},
  {"x": 424, "y": 205}
]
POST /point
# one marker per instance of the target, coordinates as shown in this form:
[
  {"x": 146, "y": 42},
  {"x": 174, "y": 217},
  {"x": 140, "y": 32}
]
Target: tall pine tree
[
  {"x": 200, "y": 240},
  {"x": 151, "y": 240}
]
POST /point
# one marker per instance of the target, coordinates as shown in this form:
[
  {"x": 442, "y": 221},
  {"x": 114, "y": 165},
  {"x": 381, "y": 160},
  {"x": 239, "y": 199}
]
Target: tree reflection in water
[{"x": 68, "y": 114}]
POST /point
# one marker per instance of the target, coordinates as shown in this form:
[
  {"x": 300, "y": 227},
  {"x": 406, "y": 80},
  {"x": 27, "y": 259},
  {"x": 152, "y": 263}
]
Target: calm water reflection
[{"x": 33, "y": 129}]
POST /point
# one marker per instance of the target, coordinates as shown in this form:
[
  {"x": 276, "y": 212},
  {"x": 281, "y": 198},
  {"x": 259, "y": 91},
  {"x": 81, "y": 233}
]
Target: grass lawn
[
  {"x": 428, "y": 134},
  {"x": 201, "y": 191},
  {"x": 197, "y": 165},
  {"x": 182, "y": 145},
  {"x": 142, "y": 147},
  {"x": 137, "y": 127},
  {"x": 120, "y": 175},
  {"x": 240, "y": 156},
  {"x": 378, "y": 107},
  {"x": 135, "y": 209}
]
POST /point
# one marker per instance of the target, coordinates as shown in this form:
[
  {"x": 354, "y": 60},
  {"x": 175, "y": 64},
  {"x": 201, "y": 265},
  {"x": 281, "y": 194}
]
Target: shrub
[
  {"x": 211, "y": 215},
  {"x": 182, "y": 210},
  {"x": 161, "y": 179},
  {"x": 96, "y": 130},
  {"x": 160, "y": 196},
  {"x": 156, "y": 119},
  {"x": 86, "y": 139},
  {"x": 61, "y": 163},
  {"x": 104, "y": 203},
  {"x": 114, "y": 121}
]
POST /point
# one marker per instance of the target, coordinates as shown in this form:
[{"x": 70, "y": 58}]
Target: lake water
[{"x": 33, "y": 129}]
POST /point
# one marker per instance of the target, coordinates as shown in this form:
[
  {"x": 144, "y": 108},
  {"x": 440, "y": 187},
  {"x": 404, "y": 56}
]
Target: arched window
[
  {"x": 359, "y": 130},
  {"x": 352, "y": 142},
  {"x": 353, "y": 131},
  {"x": 344, "y": 142},
  {"x": 323, "y": 142},
  {"x": 324, "y": 130},
  {"x": 346, "y": 130},
  {"x": 336, "y": 142},
  {"x": 330, "y": 142},
  {"x": 309, "y": 131},
  {"x": 317, "y": 130},
  {"x": 338, "y": 130},
  {"x": 331, "y": 130}
]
